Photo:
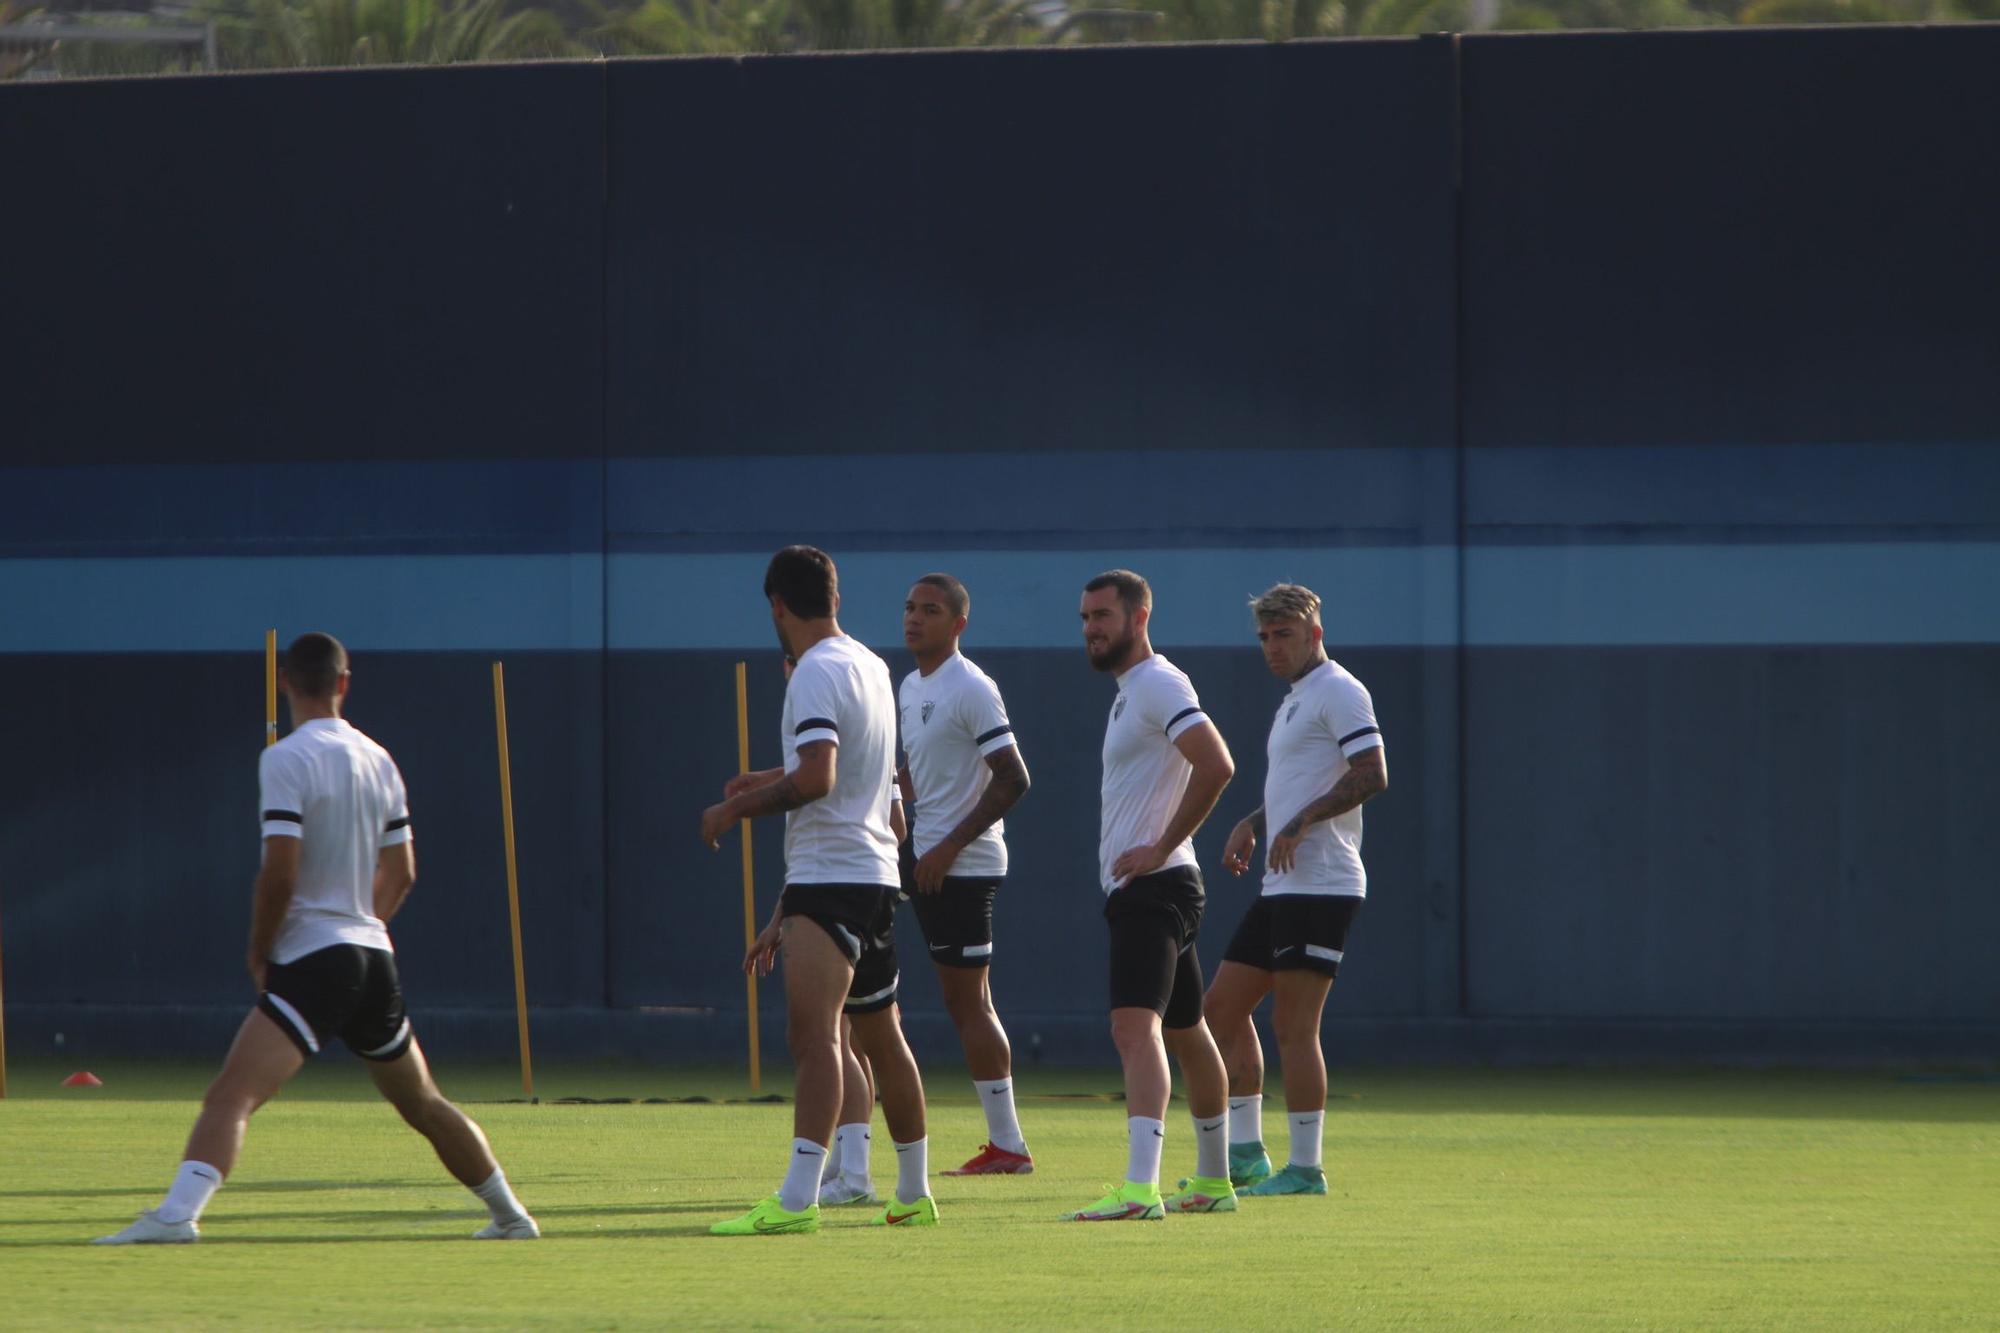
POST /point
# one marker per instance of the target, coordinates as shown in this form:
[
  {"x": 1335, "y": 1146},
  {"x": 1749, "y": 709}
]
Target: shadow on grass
[
  {"x": 712, "y": 1208},
  {"x": 247, "y": 1187}
]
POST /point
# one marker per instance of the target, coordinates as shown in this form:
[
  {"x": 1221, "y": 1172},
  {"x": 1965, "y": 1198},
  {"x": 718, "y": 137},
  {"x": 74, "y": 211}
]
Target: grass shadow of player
[{"x": 247, "y": 1187}]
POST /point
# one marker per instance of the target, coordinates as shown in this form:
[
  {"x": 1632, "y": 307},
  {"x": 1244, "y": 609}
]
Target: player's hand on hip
[
  {"x": 931, "y": 867},
  {"x": 1236, "y": 852},
  {"x": 1138, "y": 861},
  {"x": 715, "y": 821}
]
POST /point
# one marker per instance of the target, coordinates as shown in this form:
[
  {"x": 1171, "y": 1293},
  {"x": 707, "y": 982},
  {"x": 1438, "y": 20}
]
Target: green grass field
[{"x": 1459, "y": 1200}]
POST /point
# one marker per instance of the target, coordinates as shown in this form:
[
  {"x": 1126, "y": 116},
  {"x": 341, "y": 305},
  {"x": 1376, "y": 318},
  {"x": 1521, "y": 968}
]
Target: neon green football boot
[
  {"x": 1248, "y": 1164},
  {"x": 1203, "y": 1194},
  {"x": 1294, "y": 1179},
  {"x": 1132, "y": 1202},
  {"x": 769, "y": 1218},
  {"x": 922, "y": 1213}
]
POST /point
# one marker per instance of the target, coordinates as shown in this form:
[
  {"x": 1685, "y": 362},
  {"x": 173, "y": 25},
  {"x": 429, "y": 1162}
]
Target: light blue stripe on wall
[
  {"x": 1864, "y": 592},
  {"x": 1860, "y": 593},
  {"x": 1028, "y": 599},
  {"x": 217, "y": 603}
]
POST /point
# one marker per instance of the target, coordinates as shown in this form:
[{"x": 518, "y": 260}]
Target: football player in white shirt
[
  {"x": 835, "y": 919},
  {"x": 965, "y": 772},
  {"x": 338, "y": 863},
  {"x": 1326, "y": 758},
  {"x": 1164, "y": 766}
]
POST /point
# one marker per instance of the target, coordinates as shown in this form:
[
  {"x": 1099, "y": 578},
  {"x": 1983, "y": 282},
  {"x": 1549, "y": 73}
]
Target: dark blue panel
[
  {"x": 1194, "y": 247},
  {"x": 677, "y": 908},
  {"x": 1733, "y": 493},
  {"x": 396, "y": 263},
  {"x": 1782, "y": 235},
  {"x": 1019, "y": 499},
  {"x": 131, "y": 840},
  {"x": 1753, "y": 835}
]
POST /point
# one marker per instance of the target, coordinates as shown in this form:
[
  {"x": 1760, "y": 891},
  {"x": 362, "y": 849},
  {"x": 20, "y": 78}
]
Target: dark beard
[{"x": 1116, "y": 654}]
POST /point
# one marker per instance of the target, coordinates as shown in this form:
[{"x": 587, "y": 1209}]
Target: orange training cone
[{"x": 83, "y": 1078}]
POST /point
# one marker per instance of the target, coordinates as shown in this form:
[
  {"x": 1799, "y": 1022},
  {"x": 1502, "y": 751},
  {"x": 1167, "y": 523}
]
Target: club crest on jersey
[
  {"x": 1290, "y": 712},
  {"x": 1117, "y": 708},
  {"x": 929, "y": 704}
]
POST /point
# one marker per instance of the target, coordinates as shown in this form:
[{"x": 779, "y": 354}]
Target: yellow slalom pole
[
  {"x": 270, "y": 688},
  {"x": 3, "y": 1039},
  {"x": 749, "y": 878},
  {"x": 513, "y": 880}
]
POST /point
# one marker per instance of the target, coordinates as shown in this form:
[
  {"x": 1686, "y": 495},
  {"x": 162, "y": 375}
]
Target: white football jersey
[
  {"x": 951, "y": 720},
  {"x": 339, "y": 791},
  {"x": 1326, "y": 717},
  {"x": 840, "y": 692},
  {"x": 1144, "y": 775}
]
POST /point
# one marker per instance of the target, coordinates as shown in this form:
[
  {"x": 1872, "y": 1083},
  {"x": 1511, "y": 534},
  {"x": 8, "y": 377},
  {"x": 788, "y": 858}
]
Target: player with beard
[
  {"x": 835, "y": 919},
  {"x": 1164, "y": 766}
]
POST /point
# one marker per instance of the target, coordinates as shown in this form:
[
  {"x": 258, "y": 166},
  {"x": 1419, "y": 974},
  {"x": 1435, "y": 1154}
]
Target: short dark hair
[
  {"x": 314, "y": 664},
  {"x": 1133, "y": 591},
  {"x": 956, "y": 599},
  {"x": 804, "y": 579}
]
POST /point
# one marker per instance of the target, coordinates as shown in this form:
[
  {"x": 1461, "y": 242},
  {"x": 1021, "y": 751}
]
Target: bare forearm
[
  {"x": 773, "y": 798},
  {"x": 1008, "y": 784},
  {"x": 270, "y": 898},
  {"x": 390, "y": 892},
  {"x": 1255, "y": 819},
  {"x": 1355, "y": 786},
  {"x": 1203, "y": 790}
]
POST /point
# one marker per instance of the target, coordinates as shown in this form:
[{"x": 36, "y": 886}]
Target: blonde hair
[{"x": 1286, "y": 601}]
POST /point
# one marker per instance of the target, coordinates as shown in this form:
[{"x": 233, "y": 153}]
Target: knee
[
  {"x": 1133, "y": 1030},
  {"x": 812, "y": 1041},
  {"x": 227, "y": 1097},
  {"x": 423, "y": 1111},
  {"x": 964, "y": 1009},
  {"x": 1295, "y": 1028}
]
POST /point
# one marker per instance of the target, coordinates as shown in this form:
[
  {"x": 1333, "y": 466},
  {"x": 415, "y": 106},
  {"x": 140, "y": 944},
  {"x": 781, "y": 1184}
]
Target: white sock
[
  {"x": 1211, "y": 1147},
  {"x": 1003, "y": 1129},
  {"x": 499, "y": 1198},
  {"x": 1306, "y": 1136},
  {"x": 913, "y": 1170},
  {"x": 194, "y": 1185},
  {"x": 801, "y": 1187},
  {"x": 1246, "y": 1119},
  {"x": 1145, "y": 1136},
  {"x": 852, "y": 1142}
]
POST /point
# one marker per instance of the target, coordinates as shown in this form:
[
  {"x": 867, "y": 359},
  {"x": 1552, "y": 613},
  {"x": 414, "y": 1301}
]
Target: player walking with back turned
[
  {"x": 338, "y": 864},
  {"x": 835, "y": 919}
]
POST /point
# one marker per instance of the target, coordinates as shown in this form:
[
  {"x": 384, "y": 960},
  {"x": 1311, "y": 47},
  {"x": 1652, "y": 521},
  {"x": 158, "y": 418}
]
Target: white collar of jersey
[
  {"x": 831, "y": 638},
  {"x": 1135, "y": 668},
  {"x": 335, "y": 722},
  {"x": 1312, "y": 675},
  {"x": 941, "y": 667}
]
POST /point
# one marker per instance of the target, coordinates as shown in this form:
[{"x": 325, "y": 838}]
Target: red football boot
[{"x": 992, "y": 1161}]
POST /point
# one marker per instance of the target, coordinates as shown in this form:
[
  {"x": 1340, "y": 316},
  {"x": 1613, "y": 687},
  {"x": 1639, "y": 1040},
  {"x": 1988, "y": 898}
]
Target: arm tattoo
[
  {"x": 1256, "y": 821},
  {"x": 772, "y": 799},
  {"x": 1009, "y": 783},
  {"x": 1356, "y": 785}
]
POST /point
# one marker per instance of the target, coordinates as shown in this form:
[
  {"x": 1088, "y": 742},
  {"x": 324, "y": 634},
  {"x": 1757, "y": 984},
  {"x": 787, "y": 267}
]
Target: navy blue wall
[{"x": 1628, "y": 396}]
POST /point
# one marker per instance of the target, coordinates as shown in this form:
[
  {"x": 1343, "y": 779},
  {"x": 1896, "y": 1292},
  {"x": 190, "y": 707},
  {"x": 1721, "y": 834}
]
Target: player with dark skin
[{"x": 931, "y": 632}]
